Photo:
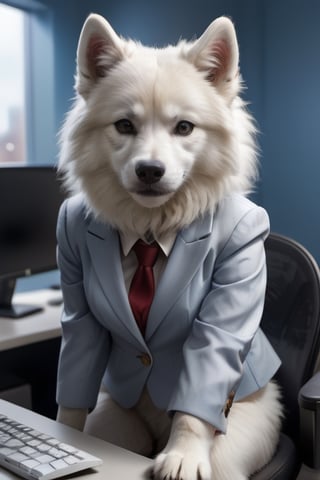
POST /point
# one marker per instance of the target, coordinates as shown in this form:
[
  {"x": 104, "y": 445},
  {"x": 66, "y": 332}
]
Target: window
[
  {"x": 12, "y": 85},
  {"x": 27, "y": 130}
]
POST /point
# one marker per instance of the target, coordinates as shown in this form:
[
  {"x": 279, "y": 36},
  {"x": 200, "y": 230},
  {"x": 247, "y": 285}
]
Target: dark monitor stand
[{"x": 7, "y": 308}]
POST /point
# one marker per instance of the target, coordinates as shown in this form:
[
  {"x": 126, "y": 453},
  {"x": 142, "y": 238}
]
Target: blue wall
[
  {"x": 291, "y": 119},
  {"x": 280, "y": 62}
]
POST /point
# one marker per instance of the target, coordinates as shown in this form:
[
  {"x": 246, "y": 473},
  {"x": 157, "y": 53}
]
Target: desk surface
[
  {"x": 33, "y": 328},
  {"x": 118, "y": 464}
]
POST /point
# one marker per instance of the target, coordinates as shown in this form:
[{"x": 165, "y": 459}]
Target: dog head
[{"x": 157, "y": 136}]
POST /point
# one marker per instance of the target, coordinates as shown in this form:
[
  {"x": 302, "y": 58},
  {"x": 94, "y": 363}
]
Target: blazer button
[{"x": 145, "y": 359}]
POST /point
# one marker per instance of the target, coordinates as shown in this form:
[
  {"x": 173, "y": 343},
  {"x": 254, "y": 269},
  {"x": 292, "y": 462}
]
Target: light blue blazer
[{"x": 203, "y": 342}]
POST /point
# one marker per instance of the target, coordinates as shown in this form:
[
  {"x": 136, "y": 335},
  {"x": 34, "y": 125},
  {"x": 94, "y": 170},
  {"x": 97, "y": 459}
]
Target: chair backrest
[{"x": 291, "y": 319}]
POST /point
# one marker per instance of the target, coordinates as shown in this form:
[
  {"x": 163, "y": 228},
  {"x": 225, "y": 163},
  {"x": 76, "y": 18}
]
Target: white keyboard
[{"x": 34, "y": 455}]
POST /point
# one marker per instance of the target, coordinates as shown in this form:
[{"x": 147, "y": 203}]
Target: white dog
[{"x": 157, "y": 138}]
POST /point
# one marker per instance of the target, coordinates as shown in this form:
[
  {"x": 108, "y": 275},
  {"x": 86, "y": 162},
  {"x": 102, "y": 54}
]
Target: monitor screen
[{"x": 30, "y": 198}]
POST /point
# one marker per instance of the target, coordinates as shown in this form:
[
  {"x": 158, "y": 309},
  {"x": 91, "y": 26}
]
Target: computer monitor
[{"x": 30, "y": 198}]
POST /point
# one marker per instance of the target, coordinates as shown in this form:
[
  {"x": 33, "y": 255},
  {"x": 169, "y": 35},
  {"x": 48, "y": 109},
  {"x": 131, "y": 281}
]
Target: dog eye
[
  {"x": 125, "y": 127},
  {"x": 183, "y": 128}
]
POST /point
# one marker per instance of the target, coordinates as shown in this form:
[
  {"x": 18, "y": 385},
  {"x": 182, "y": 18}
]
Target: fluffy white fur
[
  {"x": 156, "y": 88},
  {"x": 243, "y": 451},
  {"x": 188, "y": 445},
  {"x": 178, "y": 107}
]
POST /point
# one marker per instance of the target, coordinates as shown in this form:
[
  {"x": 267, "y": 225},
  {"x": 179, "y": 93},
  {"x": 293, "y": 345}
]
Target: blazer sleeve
[
  {"x": 228, "y": 320},
  {"x": 85, "y": 343}
]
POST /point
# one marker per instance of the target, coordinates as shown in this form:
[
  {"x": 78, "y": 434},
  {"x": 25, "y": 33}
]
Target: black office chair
[{"x": 291, "y": 321}]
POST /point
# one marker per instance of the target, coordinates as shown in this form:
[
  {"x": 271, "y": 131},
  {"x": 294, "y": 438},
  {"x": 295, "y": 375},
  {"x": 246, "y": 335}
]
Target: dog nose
[{"x": 150, "y": 171}]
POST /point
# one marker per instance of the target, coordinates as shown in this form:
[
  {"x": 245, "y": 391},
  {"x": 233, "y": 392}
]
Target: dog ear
[
  {"x": 99, "y": 49},
  {"x": 216, "y": 53}
]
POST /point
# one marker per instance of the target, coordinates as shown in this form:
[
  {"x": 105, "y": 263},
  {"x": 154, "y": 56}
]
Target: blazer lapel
[
  {"x": 189, "y": 251},
  {"x": 104, "y": 247}
]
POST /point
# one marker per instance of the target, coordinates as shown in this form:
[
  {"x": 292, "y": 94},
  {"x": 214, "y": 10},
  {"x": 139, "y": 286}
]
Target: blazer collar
[
  {"x": 188, "y": 252},
  {"x": 104, "y": 248}
]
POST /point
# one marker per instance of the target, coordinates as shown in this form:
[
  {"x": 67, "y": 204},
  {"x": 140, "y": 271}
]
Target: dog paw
[
  {"x": 167, "y": 466},
  {"x": 177, "y": 466},
  {"x": 187, "y": 454}
]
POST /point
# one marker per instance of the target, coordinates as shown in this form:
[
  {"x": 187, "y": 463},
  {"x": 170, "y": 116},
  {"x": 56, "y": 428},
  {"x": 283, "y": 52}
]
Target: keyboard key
[
  {"x": 29, "y": 464},
  {"x": 43, "y": 469},
  {"x": 57, "y": 453},
  {"x": 14, "y": 443},
  {"x": 4, "y": 438},
  {"x": 5, "y": 451},
  {"x": 34, "y": 443},
  {"x": 28, "y": 450},
  {"x": 44, "y": 447},
  {"x": 67, "y": 448},
  {"x": 71, "y": 460},
  {"x": 58, "y": 464},
  {"x": 45, "y": 458},
  {"x": 17, "y": 457},
  {"x": 53, "y": 441}
]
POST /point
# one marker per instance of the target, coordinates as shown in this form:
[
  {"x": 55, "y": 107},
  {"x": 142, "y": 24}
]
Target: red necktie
[{"x": 141, "y": 290}]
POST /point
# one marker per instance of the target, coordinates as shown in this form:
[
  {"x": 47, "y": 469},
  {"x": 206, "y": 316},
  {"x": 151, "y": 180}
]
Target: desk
[
  {"x": 29, "y": 349},
  {"x": 118, "y": 464},
  {"x": 33, "y": 328}
]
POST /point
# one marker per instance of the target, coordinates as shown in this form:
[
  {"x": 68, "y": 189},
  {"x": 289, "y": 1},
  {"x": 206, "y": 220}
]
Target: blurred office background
[{"x": 280, "y": 63}]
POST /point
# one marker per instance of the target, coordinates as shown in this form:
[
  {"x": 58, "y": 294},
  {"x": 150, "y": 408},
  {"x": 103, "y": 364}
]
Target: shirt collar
[{"x": 165, "y": 242}]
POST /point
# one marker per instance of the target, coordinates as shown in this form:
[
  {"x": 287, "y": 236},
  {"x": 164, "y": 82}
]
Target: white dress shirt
[{"x": 129, "y": 260}]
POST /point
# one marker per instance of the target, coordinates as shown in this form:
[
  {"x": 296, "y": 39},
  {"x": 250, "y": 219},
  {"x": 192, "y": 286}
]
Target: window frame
[{"x": 39, "y": 81}]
